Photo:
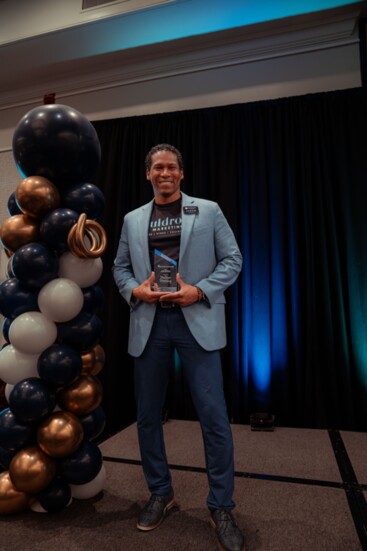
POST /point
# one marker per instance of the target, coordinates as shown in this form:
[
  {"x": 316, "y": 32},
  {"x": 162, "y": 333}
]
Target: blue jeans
[{"x": 203, "y": 372}]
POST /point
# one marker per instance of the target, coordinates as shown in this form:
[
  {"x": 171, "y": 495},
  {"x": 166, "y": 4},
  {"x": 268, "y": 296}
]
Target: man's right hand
[{"x": 146, "y": 292}]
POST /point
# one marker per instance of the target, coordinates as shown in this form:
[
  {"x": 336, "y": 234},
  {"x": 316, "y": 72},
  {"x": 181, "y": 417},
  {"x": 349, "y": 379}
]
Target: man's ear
[{"x": 147, "y": 174}]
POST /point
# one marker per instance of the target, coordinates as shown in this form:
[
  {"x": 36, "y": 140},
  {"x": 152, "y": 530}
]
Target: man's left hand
[{"x": 187, "y": 294}]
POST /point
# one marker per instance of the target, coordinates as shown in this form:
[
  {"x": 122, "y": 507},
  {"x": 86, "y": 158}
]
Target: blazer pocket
[
  {"x": 201, "y": 230},
  {"x": 221, "y": 300}
]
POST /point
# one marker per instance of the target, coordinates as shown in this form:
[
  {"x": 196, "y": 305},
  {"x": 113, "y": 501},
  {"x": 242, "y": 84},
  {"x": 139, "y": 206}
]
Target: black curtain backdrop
[{"x": 290, "y": 176}]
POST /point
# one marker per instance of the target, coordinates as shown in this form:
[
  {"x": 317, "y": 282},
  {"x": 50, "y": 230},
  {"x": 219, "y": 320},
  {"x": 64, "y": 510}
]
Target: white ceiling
[{"x": 45, "y": 50}]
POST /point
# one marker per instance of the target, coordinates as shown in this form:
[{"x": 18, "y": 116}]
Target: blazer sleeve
[
  {"x": 228, "y": 260},
  {"x": 122, "y": 267}
]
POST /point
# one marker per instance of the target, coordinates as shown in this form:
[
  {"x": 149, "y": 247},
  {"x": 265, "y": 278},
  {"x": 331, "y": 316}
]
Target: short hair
[{"x": 163, "y": 147}]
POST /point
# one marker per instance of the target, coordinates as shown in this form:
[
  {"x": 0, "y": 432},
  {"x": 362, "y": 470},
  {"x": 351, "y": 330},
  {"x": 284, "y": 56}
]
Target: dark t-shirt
[{"x": 165, "y": 230}]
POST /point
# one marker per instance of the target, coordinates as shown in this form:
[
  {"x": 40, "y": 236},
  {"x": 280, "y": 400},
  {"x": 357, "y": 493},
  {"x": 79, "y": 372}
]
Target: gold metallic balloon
[
  {"x": 88, "y": 359},
  {"x": 31, "y": 470},
  {"x": 36, "y": 195},
  {"x": 11, "y": 500},
  {"x": 60, "y": 434},
  {"x": 82, "y": 396},
  {"x": 18, "y": 230},
  {"x": 93, "y": 361},
  {"x": 95, "y": 234}
]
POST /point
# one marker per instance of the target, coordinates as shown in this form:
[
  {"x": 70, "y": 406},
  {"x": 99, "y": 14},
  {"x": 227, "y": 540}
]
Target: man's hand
[
  {"x": 187, "y": 294},
  {"x": 146, "y": 290}
]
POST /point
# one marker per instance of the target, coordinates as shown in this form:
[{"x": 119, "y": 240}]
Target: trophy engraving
[{"x": 165, "y": 269}]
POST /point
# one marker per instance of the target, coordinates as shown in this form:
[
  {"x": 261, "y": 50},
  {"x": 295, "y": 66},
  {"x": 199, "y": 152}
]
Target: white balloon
[
  {"x": 7, "y": 391},
  {"x": 16, "y": 366},
  {"x": 32, "y": 333},
  {"x": 84, "y": 271},
  {"x": 61, "y": 299},
  {"x": 90, "y": 489},
  {"x": 36, "y": 507}
]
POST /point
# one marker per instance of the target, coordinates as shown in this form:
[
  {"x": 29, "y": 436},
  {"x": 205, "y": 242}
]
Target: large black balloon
[
  {"x": 83, "y": 465},
  {"x": 5, "y": 328},
  {"x": 57, "y": 142},
  {"x": 13, "y": 207},
  {"x": 31, "y": 400},
  {"x": 93, "y": 423},
  {"x": 93, "y": 299},
  {"x": 15, "y": 298},
  {"x": 5, "y": 458},
  {"x": 59, "y": 365},
  {"x": 82, "y": 332},
  {"x": 56, "y": 496},
  {"x": 55, "y": 227},
  {"x": 13, "y": 434},
  {"x": 34, "y": 264},
  {"x": 86, "y": 198}
]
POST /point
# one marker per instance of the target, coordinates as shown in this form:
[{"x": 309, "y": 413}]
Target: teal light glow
[
  {"x": 357, "y": 289},
  {"x": 184, "y": 18}
]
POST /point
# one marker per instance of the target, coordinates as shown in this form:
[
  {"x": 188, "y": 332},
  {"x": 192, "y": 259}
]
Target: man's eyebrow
[{"x": 161, "y": 164}]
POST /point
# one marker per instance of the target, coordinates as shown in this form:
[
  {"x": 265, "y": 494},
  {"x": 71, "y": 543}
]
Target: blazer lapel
[
  {"x": 187, "y": 224},
  {"x": 142, "y": 228}
]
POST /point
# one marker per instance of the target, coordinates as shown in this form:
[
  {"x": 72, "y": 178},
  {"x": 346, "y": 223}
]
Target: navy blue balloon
[
  {"x": 86, "y": 198},
  {"x": 5, "y": 458},
  {"x": 34, "y": 264},
  {"x": 55, "y": 497},
  {"x": 5, "y": 328},
  {"x": 15, "y": 298},
  {"x": 15, "y": 435},
  {"x": 93, "y": 299},
  {"x": 13, "y": 207},
  {"x": 82, "y": 332},
  {"x": 93, "y": 423},
  {"x": 83, "y": 465},
  {"x": 55, "y": 227},
  {"x": 57, "y": 142},
  {"x": 31, "y": 400},
  {"x": 59, "y": 365}
]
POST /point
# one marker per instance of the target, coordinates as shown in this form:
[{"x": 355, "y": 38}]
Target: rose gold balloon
[
  {"x": 99, "y": 360},
  {"x": 60, "y": 434},
  {"x": 11, "y": 499},
  {"x": 93, "y": 361},
  {"x": 19, "y": 230},
  {"x": 36, "y": 196},
  {"x": 88, "y": 359},
  {"x": 95, "y": 234},
  {"x": 82, "y": 396},
  {"x": 31, "y": 470}
]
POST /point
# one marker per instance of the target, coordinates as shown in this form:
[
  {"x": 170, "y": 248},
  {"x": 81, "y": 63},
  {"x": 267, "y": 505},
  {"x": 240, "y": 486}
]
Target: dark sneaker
[
  {"x": 229, "y": 535},
  {"x": 154, "y": 511}
]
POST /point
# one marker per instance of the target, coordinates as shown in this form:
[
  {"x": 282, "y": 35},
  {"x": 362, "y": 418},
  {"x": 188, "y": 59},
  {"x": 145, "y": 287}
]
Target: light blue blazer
[{"x": 209, "y": 258}]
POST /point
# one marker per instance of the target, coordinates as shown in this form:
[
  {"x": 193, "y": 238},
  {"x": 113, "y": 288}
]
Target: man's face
[{"x": 165, "y": 176}]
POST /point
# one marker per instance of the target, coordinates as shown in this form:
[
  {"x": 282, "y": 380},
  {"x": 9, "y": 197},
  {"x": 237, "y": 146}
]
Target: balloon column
[{"x": 50, "y": 301}]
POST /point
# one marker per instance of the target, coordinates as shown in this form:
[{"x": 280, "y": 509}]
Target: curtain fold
[{"x": 290, "y": 176}]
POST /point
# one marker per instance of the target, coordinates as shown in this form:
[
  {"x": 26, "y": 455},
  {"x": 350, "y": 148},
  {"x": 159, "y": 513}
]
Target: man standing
[{"x": 176, "y": 257}]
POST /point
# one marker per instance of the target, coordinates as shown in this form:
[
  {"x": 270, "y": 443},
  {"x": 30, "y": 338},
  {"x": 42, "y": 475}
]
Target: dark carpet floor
[{"x": 296, "y": 490}]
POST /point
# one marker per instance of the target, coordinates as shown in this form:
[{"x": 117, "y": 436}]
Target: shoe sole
[
  {"x": 213, "y": 525},
  {"x": 167, "y": 508}
]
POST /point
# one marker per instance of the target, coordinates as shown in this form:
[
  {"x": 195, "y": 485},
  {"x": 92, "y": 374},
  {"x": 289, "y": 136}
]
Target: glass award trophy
[{"x": 165, "y": 269}]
